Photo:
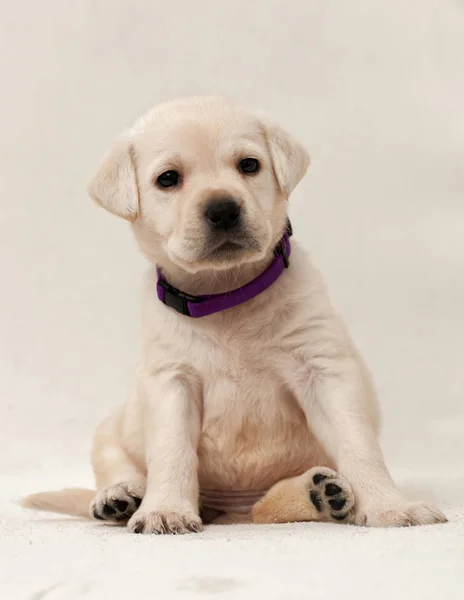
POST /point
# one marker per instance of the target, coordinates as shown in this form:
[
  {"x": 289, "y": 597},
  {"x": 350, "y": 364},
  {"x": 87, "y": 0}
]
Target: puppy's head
[{"x": 203, "y": 182}]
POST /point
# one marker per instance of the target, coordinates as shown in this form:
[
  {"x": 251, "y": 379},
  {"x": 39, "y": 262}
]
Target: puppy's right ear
[{"x": 114, "y": 186}]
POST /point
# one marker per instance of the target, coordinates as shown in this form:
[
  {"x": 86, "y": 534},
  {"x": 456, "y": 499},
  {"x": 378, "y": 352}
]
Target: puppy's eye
[
  {"x": 249, "y": 166},
  {"x": 168, "y": 179}
]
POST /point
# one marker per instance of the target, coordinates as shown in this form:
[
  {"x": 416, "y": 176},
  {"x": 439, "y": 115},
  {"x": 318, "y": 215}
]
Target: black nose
[{"x": 222, "y": 213}]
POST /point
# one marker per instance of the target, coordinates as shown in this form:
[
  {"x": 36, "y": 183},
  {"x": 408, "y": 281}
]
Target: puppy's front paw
[
  {"x": 117, "y": 502},
  {"x": 165, "y": 522},
  {"x": 405, "y": 514}
]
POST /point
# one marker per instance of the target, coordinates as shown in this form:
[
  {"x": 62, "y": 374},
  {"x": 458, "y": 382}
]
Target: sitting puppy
[{"x": 251, "y": 402}]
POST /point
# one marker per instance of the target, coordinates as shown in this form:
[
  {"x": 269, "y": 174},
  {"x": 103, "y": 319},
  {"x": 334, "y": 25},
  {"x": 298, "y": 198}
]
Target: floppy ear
[
  {"x": 290, "y": 158},
  {"x": 114, "y": 186}
]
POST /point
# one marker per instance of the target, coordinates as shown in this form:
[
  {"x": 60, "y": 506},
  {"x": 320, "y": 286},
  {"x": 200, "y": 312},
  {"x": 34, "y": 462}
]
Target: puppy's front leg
[
  {"x": 335, "y": 394},
  {"x": 172, "y": 427}
]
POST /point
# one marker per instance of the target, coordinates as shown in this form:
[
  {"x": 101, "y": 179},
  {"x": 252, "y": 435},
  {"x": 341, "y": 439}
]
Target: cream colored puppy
[{"x": 264, "y": 408}]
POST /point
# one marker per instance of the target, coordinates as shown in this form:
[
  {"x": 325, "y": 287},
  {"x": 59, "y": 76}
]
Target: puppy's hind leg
[
  {"x": 320, "y": 494},
  {"x": 121, "y": 483}
]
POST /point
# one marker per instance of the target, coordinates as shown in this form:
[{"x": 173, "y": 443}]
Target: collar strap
[{"x": 201, "y": 306}]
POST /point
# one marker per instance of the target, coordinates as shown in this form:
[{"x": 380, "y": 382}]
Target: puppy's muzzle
[{"x": 223, "y": 214}]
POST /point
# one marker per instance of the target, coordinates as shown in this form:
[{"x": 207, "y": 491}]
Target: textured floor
[{"x": 59, "y": 558}]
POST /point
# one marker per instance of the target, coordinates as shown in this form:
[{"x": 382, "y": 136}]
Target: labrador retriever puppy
[{"x": 251, "y": 401}]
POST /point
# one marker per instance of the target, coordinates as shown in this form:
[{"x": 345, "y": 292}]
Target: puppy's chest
[
  {"x": 237, "y": 375},
  {"x": 253, "y": 431},
  {"x": 239, "y": 383},
  {"x": 242, "y": 387}
]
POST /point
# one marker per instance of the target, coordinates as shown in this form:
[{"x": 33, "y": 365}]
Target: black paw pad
[
  {"x": 95, "y": 515},
  {"x": 108, "y": 510},
  {"x": 339, "y": 517},
  {"x": 121, "y": 505},
  {"x": 139, "y": 527},
  {"x": 120, "y": 518},
  {"x": 318, "y": 477},
  {"x": 331, "y": 497},
  {"x": 337, "y": 504},
  {"x": 331, "y": 489},
  {"x": 316, "y": 499},
  {"x": 116, "y": 505}
]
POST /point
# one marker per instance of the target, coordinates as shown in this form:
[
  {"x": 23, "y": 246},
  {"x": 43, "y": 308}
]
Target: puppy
[{"x": 250, "y": 402}]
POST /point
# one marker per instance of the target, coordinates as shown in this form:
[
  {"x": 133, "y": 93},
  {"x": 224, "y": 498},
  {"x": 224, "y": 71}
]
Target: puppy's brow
[
  {"x": 251, "y": 137},
  {"x": 166, "y": 160},
  {"x": 247, "y": 147}
]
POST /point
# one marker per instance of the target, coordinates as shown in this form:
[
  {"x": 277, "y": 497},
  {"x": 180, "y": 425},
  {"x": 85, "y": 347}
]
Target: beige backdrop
[{"x": 376, "y": 91}]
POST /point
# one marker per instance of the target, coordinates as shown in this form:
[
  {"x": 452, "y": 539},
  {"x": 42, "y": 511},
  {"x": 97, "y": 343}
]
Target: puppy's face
[{"x": 204, "y": 183}]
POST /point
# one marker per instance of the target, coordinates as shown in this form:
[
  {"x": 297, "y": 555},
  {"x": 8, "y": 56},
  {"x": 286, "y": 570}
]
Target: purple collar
[{"x": 201, "y": 306}]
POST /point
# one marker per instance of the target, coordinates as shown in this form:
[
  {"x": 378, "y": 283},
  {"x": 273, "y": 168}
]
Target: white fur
[{"x": 262, "y": 392}]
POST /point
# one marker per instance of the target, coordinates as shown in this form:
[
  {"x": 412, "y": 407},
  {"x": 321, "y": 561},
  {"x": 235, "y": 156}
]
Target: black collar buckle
[
  {"x": 289, "y": 228},
  {"x": 280, "y": 249},
  {"x": 176, "y": 299}
]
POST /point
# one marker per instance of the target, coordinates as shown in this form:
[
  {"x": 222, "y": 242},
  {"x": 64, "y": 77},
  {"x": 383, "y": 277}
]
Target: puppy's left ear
[{"x": 290, "y": 158}]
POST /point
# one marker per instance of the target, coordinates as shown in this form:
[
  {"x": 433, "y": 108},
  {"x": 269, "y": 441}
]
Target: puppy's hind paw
[
  {"x": 116, "y": 503},
  {"x": 331, "y": 495}
]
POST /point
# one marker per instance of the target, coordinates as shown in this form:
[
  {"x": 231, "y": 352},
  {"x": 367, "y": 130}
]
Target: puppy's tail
[{"x": 70, "y": 501}]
